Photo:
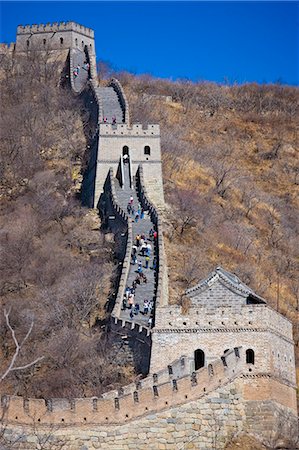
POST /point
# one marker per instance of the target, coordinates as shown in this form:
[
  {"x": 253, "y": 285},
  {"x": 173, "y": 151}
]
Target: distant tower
[{"x": 56, "y": 36}]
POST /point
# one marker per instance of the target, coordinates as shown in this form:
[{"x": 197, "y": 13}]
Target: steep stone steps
[
  {"x": 78, "y": 60},
  {"x": 144, "y": 291},
  {"x": 110, "y": 104}
]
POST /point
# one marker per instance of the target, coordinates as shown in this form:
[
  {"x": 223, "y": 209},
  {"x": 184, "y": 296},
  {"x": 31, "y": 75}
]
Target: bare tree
[{"x": 12, "y": 367}]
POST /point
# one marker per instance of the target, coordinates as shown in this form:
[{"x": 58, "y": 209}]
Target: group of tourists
[
  {"x": 139, "y": 214},
  {"x": 142, "y": 247},
  {"x": 113, "y": 120},
  {"x": 134, "y": 307},
  {"x": 85, "y": 66}
]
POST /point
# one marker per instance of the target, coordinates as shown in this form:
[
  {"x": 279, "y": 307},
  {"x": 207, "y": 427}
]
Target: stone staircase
[
  {"x": 110, "y": 104},
  {"x": 78, "y": 57},
  {"x": 144, "y": 291}
]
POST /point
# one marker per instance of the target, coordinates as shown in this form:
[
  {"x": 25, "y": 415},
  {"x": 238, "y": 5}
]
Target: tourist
[
  {"x": 151, "y": 233},
  {"x": 127, "y": 291},
  {"x": 113, "y": 120},
  {"x": 155, "y": 235},
  {"x": 154, "y": 266},
  {"x": 136, "y": 309},
  {"x": 147, "y": 258},
  {"x": 145, "y": 307},
  {"x": 131, "y": 314},
  {"x": 140, "y": 270},
  {"x": 129, "y": 208},
  {"x": 131, "y": 301},
  {"x": 131, "y": 200},
  {"x": 136, "y": 218},
  {"x": 150, "y": 322},
  {"x": 143, "y": 277},
  {"x": 142, "y": 213},
  {"x": 125, "y": 303}
]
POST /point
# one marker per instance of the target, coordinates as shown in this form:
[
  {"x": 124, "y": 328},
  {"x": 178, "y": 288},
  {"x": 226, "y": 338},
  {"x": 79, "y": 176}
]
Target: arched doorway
[
  {"x": 125, "y": 150},
  {"x": 199, "y": 359}
]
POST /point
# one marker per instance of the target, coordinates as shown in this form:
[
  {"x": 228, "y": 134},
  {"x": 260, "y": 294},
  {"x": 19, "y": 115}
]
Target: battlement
[
  {"x": 126, "y": 404},
  {"x": 55, "y": 27},
  {"x": 235, "y": 318},
  {"x": 139, "y": 130}
]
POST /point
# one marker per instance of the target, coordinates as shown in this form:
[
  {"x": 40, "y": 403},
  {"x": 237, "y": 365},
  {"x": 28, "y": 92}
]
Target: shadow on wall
[
  {"x": 139, "y": 344},
  {"x": 89, "y": 115}
]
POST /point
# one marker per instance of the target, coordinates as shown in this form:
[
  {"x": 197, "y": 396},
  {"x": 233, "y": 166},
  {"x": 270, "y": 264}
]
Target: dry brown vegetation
[
  {"x": 230, "y": 167},
  {"x": 55, "y": 264}
]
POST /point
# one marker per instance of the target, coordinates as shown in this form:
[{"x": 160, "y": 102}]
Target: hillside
[
  {"x": 57, "y": 268},
  {"x": 230, "y": 162},
  {"x": 230, "y": 167}
]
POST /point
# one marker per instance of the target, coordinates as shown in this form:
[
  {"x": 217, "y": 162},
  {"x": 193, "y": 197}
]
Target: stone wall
[
  {"x": 255, "y": 327},
  {"x": 206, "y": 423}
]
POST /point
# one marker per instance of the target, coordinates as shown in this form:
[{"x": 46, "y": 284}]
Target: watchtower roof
[{"x": 228, "y": 279}]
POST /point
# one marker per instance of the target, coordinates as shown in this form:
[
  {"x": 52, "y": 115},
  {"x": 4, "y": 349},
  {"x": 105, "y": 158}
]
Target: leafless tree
[{"x": 12, "y": 367}]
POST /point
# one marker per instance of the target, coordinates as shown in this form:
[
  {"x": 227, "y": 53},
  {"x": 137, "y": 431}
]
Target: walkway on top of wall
[
  {"x": 110, "y": 104},
  {"x": 78, "y": 60},
  {"x": 144, "y": 291}
]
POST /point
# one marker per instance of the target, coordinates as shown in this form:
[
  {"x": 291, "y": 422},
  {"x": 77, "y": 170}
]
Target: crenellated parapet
[
  {"x": 171, "y": 387},
  {"x": 122, "y": 98},
  {"x": 54, "y": 28},
  {"x": 124, "y": 130}
]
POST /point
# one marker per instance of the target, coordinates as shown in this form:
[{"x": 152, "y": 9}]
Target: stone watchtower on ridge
[{"x": 55, "y": 36}]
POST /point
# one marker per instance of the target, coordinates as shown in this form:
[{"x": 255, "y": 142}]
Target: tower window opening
[
  {"x": 61, "y": 41},
  {"x": 147, "y": 150},
  {"x": 125, "y": 150},
  {"x": 76, "y": 41},
  {"x": 249, "y": 356},
  {"x": 27, "y": 42},
  {"x": 82, "y": 44},
  {"x": 44, "y": 41},
  {"x": 199, "y": 359}
]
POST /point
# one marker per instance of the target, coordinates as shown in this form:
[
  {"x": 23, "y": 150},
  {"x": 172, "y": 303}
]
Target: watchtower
[
  {"x": 55, "y": 36},
  {"x": 225, "y": 314}
]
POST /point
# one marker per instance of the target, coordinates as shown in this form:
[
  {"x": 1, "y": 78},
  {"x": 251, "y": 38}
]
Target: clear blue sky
[{"x": 238, "y": 41}]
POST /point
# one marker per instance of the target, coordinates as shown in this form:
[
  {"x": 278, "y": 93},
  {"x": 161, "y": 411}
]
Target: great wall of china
[{"x": 224, "y": 368}]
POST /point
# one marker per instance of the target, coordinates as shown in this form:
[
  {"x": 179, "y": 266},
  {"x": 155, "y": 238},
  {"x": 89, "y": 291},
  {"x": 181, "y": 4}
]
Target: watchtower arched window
[
  {"x": 199, "y": 359},
  {"x": 44, "y": 41},
  {"x": 61, "y": 41},
  {"x": 249, "y": 356},
  {"x": 147, "y": 150},
  {"x": 76, "y": 42},
  {"x": 82, "y": 44},
  {"x": 125, "y": 150}
]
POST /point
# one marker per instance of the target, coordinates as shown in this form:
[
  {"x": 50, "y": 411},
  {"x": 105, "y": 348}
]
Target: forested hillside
[
  {"x": 56, "y": 267},
  {"x": 231, "y": 179}
]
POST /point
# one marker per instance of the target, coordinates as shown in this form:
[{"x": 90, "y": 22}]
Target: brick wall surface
[{"x": 207, "y": 423}]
